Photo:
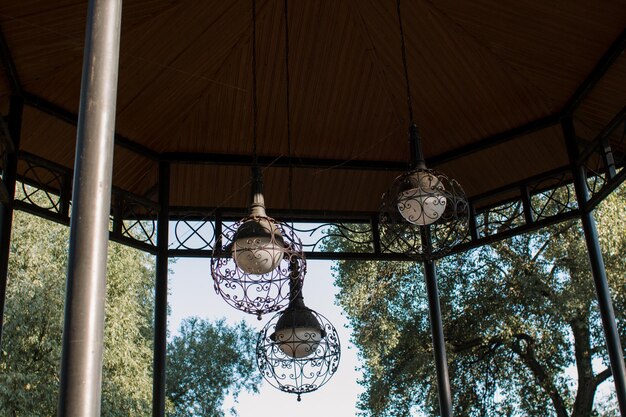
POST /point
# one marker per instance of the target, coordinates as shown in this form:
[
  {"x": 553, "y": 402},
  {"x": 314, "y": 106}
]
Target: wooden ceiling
[{"x": 489, "y": 81}]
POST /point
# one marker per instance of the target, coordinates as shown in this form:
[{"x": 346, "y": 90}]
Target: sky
[{"x": 192, "y": 294}]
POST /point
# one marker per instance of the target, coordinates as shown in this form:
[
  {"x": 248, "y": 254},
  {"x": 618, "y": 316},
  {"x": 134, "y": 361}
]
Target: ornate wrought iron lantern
[
  {"x": 298, "y": 350},
  {"x": 424, "y": 213},
  {"x": 251, "y": 261}
]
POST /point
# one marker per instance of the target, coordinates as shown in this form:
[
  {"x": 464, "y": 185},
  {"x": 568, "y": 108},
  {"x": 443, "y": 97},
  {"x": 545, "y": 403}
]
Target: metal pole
[
  {"x": 436, "y": 325},
  {"x": 160, "y": 294},
  {"x": 83, "y": 333},
  {"x": 6, "y": 211},
  {"x": 611, "y": 334}
]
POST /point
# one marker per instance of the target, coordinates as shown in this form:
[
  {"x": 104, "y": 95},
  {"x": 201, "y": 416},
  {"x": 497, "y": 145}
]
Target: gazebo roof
[{"x": 490, "y": 81}]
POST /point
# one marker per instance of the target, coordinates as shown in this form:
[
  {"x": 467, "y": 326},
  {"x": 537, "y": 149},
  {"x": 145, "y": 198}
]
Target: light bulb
[
  {"x": 424, "y": 204},
  {"x": 298, "y": 342},
  {"x": 258, "y": 247}
]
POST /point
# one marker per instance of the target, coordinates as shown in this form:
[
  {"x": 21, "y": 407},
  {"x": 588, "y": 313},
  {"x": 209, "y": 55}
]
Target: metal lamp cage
[
  {"x": 303, "y": 363},
  {"x": 257, "y": 293},
  {"x": 424, "y": 214}
]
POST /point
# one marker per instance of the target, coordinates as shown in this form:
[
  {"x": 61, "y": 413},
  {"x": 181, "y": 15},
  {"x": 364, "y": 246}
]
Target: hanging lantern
[
  {"x": 423, "y": 214},
  {"x": 250, "y": 263},
  {"x": 298, "y": 350}
]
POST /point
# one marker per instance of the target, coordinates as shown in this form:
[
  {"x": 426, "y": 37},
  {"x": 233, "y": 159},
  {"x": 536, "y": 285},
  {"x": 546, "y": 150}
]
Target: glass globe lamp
[
  {"x": 258, "y": 246},
  {"x": 298, "y": 332},
  {"x": 424, "y": 203}
]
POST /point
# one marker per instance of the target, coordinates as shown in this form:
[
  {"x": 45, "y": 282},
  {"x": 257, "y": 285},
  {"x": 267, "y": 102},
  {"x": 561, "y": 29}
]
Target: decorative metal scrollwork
[
  {"x": 256, "y": 290},
  {"x": 193, "y": 234},
  {"x": 41, "y": 187},
  {"x": 596, "y": 180},
  {"x": 552, "y": 196},
  {"x": 420, "y": 200},
  {"x": 358, "y": 237},
  {"x": 298, "y": 362},
  {"x": 138, "y": 221},
  {"x": 500, "y": 218}
]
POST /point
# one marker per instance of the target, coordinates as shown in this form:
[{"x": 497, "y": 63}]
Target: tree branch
[
  {"x": 526, "y": 352},
  {"x": 602, "y": 376},
  {"x": 479, "y": 342},
  {"x": 566, "y": 226}
]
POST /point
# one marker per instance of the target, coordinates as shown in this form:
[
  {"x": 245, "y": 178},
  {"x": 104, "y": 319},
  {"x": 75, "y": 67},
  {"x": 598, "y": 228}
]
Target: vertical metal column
[
  {"x": 6, "y": 211},
  {"x": 83, "y": 333},
  {"x": 160, "y": 294},
  {"x": 598, "y": 270},
  {"x": 439, "y": 345}
]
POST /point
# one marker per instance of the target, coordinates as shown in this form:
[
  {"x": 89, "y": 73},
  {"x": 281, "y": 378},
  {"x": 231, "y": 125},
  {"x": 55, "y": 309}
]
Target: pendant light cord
[
  {"x": 290, "y": 179},
  {"x": 255, "y": 157},
  {"x": 416, "y": 159},
  {"x": 404, "y": 64}
]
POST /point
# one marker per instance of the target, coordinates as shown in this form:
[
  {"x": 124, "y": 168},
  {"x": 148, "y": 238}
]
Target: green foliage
[
  {"x": 31, "y": 349},
  {"x": 522, "y": 329},
  {"x": 128, "y": 333},
  {"x": 207, "y": 362}
]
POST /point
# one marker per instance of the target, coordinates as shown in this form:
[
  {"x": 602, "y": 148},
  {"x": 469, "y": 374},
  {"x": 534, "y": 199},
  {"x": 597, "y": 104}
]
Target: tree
[
  {"x": 31, "y": 350},
  {"x": 522, "y": 326},
  {"x": 207, "y": 362}
]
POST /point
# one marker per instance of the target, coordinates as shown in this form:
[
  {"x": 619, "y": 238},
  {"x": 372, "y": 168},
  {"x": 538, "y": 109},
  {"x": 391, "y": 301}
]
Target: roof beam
[
  {"x": 364, "y": 165},
  {"x": 495, "y": 140},
  {"x": 605, "y": 63},
  {"x": 71, "y": 118},
  {"x": 298, "y": 162}
]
